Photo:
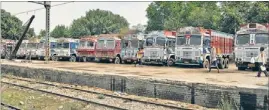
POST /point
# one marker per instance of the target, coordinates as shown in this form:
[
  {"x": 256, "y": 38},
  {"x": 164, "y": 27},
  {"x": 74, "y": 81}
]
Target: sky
[{"x": 134, "y": 12}]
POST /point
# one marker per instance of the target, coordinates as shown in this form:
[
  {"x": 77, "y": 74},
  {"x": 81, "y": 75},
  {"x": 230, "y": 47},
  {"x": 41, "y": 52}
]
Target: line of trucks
[{"x": 186, "y": 46}]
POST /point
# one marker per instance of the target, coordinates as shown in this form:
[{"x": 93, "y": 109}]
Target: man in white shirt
[
  {"x": 261, "y": 62},
  {"x": 213, "y": 58}
]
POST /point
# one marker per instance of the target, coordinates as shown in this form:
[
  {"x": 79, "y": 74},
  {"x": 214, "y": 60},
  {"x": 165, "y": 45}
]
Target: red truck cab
[
  {"x": 108, "y": 48},
  {"x": 86, "y": 49}
]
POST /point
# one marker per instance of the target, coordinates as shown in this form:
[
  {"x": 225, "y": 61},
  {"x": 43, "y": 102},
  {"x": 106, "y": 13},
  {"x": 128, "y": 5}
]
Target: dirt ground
[{"x": 230, "y": 76}]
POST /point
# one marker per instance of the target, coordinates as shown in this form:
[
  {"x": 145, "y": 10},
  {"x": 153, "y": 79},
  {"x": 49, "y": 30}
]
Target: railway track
[
  {"x": 93, "y": 92},
  {"x": 70, "y": 97},
  {"x": 10, "y": 107}
]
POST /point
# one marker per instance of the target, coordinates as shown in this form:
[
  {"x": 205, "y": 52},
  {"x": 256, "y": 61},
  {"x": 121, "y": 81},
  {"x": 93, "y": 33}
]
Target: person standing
[
  {"x": 261, "y": 62},
  {"x": 139, "y": 55},
  {"x": 213, "y": 59}
]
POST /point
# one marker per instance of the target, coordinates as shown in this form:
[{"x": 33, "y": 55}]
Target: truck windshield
[
  {"x": 160, "y": 41},
  {"x": 59, "y": 45},
  {"x": 149, "y": 41},
  {"x": 82, "y": 43},
  {"x": 90, "y": 44},
  {"x": 195, "y": 40},
  {"x": 243, "y": 39},
  {"x": 31, "y": 45},
  {"x": 110, "y": 44},
  {"x": 181, "y": 40},
  {"x": 262, "y": 38},
  {"x": 134, "y": 43},
  {"x": 41, "y": 45},
  {"x": 100, "y": 43},
  {"x": 65, "y": 45},
  {"x": 22, "y": 45}
]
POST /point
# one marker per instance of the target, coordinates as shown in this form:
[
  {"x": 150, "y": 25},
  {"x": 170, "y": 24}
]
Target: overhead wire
[{"x": 34, "y": 10}]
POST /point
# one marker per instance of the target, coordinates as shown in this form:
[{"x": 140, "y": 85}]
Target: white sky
[{"x": 134, "y": 12}]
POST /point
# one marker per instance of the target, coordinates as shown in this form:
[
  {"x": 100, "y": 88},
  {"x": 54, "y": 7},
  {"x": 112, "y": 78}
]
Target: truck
[
  {"x": 22, "y": 51},
  {"x": 41, "y": 48},
  {"x": 249, "y": 38},
  {"x": 31, "y": 49},
  {"x": 65, "y": 50},
  {"x": 193, "y": 47},
  {"x": 86, "y": 48},
  {"x": 159, "y": 48},
  {"x": 7, "y": 46},
  {"x": 108, "y": 48},
  {"x": 131, "y": 44}
]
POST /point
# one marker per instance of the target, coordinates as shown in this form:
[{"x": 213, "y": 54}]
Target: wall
[{"x": 196, "y": 93}]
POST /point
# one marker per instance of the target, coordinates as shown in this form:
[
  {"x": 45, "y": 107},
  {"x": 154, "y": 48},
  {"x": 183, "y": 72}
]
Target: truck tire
[
  {"x": 241, "y": 68},
  {"x": 72, "y": 58},
  {"x": 221, "y": 63},
  {"x": 117, "y": 60},
  {"x": 84, "y": 59},
  {"x": 226, "y": 60},
  {"x": 170, "y": 62},
  {"x": 54, "y": 58}
]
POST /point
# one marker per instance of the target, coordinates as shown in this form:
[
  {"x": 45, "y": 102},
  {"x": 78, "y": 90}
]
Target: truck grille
[
  {"x": 187, "y": 54},
  {"x": 251, "y": 53}
]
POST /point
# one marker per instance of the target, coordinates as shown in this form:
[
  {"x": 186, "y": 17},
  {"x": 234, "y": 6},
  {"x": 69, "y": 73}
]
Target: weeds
[
  {"x": 227, "y": 103},
  {"x": 101, "y": 96}
]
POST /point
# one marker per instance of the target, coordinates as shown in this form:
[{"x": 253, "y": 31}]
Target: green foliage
[
  {"x": 97, "y": 22},
  {"x": 225, "y": 17},
  {"x": 42, "y": 33},
  {"x": 10, "y": 26},
  {"x": 227, "y": 103},
  {"x": 60, "y": 31},
  {"x": 79, "y": 28}
]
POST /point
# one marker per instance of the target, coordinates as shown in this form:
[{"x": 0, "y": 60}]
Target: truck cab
[
  {"x": 6, "y": 47},
  {"x": 86, "y": 48},
  {"x": 31, "y": 48},
  {"x": 41, "y": 48},
  {"x": 192, "y": 45},
  {"x": 65, "y": 49},
  {"x": 108, "y": 48},
  {"x": 21, "y": 53},
  {"x": 131, "y": 44},
  {"x": 159, "y": 48},
  {"x": 248, "y": 41}
]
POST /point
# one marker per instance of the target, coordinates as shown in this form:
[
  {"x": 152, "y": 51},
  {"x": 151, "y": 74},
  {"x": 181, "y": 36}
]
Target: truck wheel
[
  {"x": 117, "y": 60},
  {"x": 221, "y": 63},
  {"x": 84, "y": 59},
  {"x": 54, "y": 58},
  {"x": 170, "y": 62},
  {"x": 241, "y": 68},
  {"x": 226, "y": 63},
  {"x": 72, "y": 58}
]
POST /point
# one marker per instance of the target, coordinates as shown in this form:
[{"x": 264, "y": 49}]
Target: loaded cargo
[
  {"x": 248, "y": 41},
  {"x": 193, "y": 46}
]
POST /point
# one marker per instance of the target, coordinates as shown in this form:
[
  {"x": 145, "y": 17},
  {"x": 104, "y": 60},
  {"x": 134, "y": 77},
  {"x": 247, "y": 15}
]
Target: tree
[
  {"x": 173, "y": 15},
  {"x": 59, "y": 31},
  {"x": 42, "y": 33},
  {"x": 79, "y": 28},
  {"x": 11, "y": 26},
  {"x": 97, "y": 22}
]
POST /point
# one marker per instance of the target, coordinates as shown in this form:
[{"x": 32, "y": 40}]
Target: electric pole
[{"x": 47, "y": 5}]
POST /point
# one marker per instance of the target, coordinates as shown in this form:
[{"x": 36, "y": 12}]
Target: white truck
[{"x": 248, "y": 41}]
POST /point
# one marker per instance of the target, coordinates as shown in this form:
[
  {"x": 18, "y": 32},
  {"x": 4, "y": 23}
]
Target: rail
[
  {"x": 108, "y": 95},
  {"x": 9, "y": 106},
  {"x": 61, "y": 95}
]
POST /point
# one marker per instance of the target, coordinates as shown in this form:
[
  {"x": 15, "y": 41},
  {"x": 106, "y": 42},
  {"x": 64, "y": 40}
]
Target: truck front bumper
[{"x": 188, "y": 62}]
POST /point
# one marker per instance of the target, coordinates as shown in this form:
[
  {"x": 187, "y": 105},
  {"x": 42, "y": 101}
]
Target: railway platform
[{"x": 191, "y": 85}]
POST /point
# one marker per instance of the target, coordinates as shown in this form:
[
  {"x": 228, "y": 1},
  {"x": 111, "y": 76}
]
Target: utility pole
[{"x": 47, "y": 5}]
